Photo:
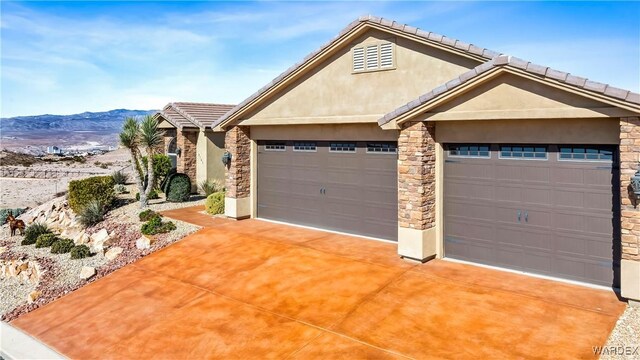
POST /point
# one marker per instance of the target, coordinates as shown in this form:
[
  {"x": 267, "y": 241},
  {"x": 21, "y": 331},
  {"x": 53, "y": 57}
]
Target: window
[
  {"x": 382, "y": 148},
  {"x": 523, "y": 152},
  {"x": 372, "y": 57},
  {"x": 585, "y": 153},
  {"x": 342, "y": 147},
  {"x": 304, "y": 146},
  {"x": 275, "y": 146},
  {"x": 470, "y": 150}
]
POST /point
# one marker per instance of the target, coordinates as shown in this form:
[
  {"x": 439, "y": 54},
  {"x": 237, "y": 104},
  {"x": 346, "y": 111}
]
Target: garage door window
[
  {"x": 523, "y": 152},
  {"x": 275, "y": 146},
  {"x": 584, "y": 153},
  {"x": 304, "y": 146},
  {"x": 381, "y": 148},
  {"x": 343, "y": 147},
  {"x": 470, "y": 150}
]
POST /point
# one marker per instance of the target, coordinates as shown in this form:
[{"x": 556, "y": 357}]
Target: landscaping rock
[
  {"x": 113, "y": 252},
  {"x": 33, "y": 296},
  {"x": 143, "y": 243},
  {"x": 87, "y": 272},
  {"x": 3, "y": 249},
  {"x": 100, "y": 237}
]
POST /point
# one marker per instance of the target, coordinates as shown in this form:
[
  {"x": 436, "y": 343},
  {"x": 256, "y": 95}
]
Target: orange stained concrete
[
  {"x": 255, "y": 289},
  {"x": 195, "y": 215}
]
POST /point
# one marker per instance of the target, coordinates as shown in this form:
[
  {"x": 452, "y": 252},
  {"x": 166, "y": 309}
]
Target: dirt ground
[{"x": 20, "y": 192}]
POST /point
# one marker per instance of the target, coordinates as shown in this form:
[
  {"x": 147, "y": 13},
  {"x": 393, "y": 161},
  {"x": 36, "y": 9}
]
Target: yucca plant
[
  {"x": 119, "y": 177},
  {"x": 92, "y": 214},
  {"x": 209, "y": 187}
]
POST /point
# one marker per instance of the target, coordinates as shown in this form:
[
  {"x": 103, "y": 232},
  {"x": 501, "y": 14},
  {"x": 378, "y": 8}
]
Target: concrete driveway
[{"x": 254, "y": 289}]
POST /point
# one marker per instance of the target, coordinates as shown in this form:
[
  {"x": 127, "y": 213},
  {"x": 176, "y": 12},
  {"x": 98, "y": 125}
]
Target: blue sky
[{"x": 69, "y": 57}]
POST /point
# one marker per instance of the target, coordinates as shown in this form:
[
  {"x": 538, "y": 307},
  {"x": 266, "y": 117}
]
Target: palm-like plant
[{"x": 148, "y": 135}]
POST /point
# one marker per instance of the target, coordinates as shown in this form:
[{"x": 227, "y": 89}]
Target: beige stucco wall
[
  {"x": 324, "y": 132},
  {"x": 558, "y": 131},
  {"x": 210, "y": 148},
  {"x": 331, "y": 93},
  {"x": 509, "y": 96}
]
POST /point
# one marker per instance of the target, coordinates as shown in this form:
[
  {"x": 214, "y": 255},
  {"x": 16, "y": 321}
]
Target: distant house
[
  {"x": 194, "y": 148},
  {"x": 54, "y": 150}
]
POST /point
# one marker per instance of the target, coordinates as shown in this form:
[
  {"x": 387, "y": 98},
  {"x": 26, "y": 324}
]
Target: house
[
  {"x": 449, "y": 149},
  {"x": 190, "y": 142}
]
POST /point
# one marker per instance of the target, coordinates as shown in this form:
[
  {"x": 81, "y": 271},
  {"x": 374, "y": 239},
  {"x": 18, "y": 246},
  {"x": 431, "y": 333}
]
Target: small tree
[{"x": 136, "y": 136}]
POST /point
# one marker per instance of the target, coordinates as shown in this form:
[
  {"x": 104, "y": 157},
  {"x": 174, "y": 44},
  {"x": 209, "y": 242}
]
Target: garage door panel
[{"x": 568, "y": 230}]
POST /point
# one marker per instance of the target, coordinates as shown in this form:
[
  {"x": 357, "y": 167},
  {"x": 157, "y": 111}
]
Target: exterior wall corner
[{"x": 630, "y": 212}]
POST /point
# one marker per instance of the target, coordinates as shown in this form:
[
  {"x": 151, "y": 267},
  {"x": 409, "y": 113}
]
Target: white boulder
[
  {"x": 143, "y": 243},
  {"x": 87, "y": 272},
  {"x": 113, "y": 252}
]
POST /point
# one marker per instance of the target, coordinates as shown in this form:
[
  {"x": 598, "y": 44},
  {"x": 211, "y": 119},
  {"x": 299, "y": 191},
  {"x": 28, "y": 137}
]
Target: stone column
[
  {"x": 417, "y": 190},
  {"x": 186, "y": 142},
  {"x": 630, "y": 213},
  {"x": 237, "y": 202}
]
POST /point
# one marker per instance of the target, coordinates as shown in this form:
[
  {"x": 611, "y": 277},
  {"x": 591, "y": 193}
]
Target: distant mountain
[
  {"x": 33, "y": 134},
  {"x": 106, "y": 121}
]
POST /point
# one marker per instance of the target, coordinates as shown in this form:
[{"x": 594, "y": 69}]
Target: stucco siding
[
  {"x": 325, "y": 132},
  {"x": 215, "y": 149},
  {"x": 331, "y": 93}
]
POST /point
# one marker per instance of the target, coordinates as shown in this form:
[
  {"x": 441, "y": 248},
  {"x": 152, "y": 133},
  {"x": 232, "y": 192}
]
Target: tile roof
[
  {"x": 505, "y": 60},
  {"x": 457, "y": 45},
  {"x": 193, "y": 115}
]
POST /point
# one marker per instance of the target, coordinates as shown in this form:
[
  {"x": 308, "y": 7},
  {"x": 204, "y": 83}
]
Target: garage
[
  {"x": 346, "y": 186},
  {"x": 545, "y": 209}
]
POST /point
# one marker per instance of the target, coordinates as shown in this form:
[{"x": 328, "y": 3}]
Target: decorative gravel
[
  {"x": 626, "y": 335},
  {"x": 61, "y": 273}
]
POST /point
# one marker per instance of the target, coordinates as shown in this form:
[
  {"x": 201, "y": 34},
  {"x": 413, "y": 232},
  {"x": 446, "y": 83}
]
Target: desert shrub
[
  {"x": 46, "y": 240},
  {"x": 62, "y": 246},
  {"x": 80, "y": 252},
  {"x": 161, "y": 166},
  {"x": 93, "y": 213},
  {"x": 81, "y": 192},
  {"x": 120, "y": 189},
  {"x": 215, "y": 203},
  {"x": 147, "y": 215},
  {"x": 209, "y": 187},
  {"x": 119, "y": 177},
  {"x": 104, "y": 166},
  {"x": 152, "y": 195},
  {"x": 165, "y": 182},
  {"x": 5, "y": 212},
  {"x": 79, "y": 159},
  {"x": 156, "y": 226},
  {"x": 32, "y": 232},
  {"x": 179, "y": 188}
]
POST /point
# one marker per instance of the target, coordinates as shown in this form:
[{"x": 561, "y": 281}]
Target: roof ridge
[
  {"x": 201, "y": 103},
  {"x": 409, "y": 30},
  {"x": 527, "y": 66}
]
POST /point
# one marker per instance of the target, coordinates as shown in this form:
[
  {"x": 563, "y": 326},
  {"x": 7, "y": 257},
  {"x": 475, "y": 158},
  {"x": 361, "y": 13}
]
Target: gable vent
[
  {"x": 358, "y": 59},
  {"x": 386, "y": 55},
  {"x": 372, "y": 57}
]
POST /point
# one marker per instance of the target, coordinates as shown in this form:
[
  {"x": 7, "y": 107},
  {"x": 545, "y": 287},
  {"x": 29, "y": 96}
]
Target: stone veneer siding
[
  {"x": 629, "y": 156},
  {"x": 186, "y": 142},
  {"x": 238, "y": 173},
  {"x": 417, "y": 176}
]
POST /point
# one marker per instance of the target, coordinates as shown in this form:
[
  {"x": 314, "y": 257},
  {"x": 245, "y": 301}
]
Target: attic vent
[{"x": 372, "y": 57}]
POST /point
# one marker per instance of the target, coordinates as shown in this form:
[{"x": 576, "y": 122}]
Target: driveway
[{"x": 254, "y": 289}]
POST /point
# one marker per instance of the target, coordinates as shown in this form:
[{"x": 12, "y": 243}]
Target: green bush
[
  {"x": 46, "y": 240},
  {"x": 161, "y": 167},
  {"x": 5, "y": 212},
  {"x": 80, "y": 252},
  {"x": 32, "y": 232},
  {"x": 178, "y": 188},
  {"x": 81, "y": 192},
  {"x": 157, "y": 226},
  {"x": 152, "y": 195},
  {"x": 120, "y": 189},
  {"x": 119, "y": 177},
  {"x": 215, "y": 203},
  {"x": 92, "y": 214},
  {"x": 62, "y": 246},
  {"x": 165, "y": 181},
  {"x": 147, "y": 215},
  {"x": 209, "y": 187}
]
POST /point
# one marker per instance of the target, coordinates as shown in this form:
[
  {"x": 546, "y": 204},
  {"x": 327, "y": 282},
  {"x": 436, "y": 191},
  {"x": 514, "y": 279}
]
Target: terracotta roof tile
[{"x": 192, "y": 114}]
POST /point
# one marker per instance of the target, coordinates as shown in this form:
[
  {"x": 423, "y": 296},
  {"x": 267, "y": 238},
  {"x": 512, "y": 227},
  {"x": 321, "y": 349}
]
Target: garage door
[
  {"x": 547, "y": 209},
  {"x": 341, "y": 186}
]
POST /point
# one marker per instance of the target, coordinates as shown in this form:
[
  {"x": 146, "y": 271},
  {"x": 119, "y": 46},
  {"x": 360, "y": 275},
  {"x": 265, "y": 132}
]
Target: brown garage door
[
  {"x": 342, "y": 186},
  {"x": 547, "y": 209}
]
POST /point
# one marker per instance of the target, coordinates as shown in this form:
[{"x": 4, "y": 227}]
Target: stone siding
[
  {"x": 238, "y": 173},
  {"x": 186, "y": 142},
  {"x": 629, "y": 156},
  {"x": 417, "y": 176}
]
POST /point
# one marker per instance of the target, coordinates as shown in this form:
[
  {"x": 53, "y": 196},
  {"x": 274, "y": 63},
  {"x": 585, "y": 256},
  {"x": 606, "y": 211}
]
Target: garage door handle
[
  {"x": 519, "y": 213},
  {"x": 526, "y": 216}
]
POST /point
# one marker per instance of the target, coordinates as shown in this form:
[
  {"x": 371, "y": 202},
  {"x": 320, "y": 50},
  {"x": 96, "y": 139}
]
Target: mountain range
[{"x": 33, "y": 134}]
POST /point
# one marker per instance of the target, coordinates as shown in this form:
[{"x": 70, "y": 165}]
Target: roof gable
[
  {"x": 192, "y": 114},
  {"x": 351, "y": 32}
]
